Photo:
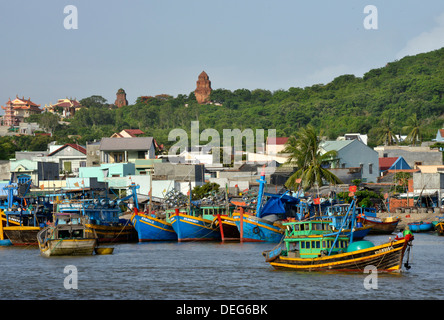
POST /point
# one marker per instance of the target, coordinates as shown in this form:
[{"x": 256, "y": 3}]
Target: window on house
[
  {"x": 140, "y": 154},
  {"x": 370, "y": 168}
]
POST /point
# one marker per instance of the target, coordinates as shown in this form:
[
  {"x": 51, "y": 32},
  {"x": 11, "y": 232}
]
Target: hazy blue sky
[{"x": 151, "y": 47}]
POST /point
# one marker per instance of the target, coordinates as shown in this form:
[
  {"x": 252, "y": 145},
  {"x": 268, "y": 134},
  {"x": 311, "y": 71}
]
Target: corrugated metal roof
[
  {"x": 335, "y": 145},
  {"x": 122, "y": 144}
]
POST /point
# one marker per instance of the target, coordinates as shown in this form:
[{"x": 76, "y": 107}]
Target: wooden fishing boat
[
  {"x": 194, "y": 225},
  {"x": 255, "y": 229},
  {"x": 312, "y": 249},
  {"x": 67, "y": 237},
  {"x": 379, "y": 225},
  {"x": 104, "y": 215},
  {"x": 228, "y": 228},
  {"x": 152, "y": 228},
  {"x": 421, "y": 226},
  {"x": 20, "y": 219},
  {"x": 265, "y": 223}
]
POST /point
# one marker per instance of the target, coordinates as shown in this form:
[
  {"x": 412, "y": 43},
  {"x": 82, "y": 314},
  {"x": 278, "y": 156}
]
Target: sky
[{"x": 150, "y": 47}]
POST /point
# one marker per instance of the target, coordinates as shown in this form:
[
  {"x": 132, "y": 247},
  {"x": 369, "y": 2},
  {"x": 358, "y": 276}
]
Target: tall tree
[
  {"x": 306, "y": 155},
  {"x": 387, "y": 136},
  {"x": 414, "y": 128}
]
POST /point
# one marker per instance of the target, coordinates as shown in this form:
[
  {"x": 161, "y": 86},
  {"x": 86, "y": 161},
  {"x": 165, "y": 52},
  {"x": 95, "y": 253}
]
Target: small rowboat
[
  {"x": 106, "y": 250},
  {"x": 379, "y": 225}
]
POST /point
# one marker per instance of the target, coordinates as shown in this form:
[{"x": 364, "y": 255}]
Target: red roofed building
[
  {"x": 18, "y": 109},
  {"x": 66, "y": 107},
  {"x": 386, "y": 163},
  {"x": 70, "y": 157},
  {"x": 128, "y": 133},
  {"x": 275, "y": 144}
]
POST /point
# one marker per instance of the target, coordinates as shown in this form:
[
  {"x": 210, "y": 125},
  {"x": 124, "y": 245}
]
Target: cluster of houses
[{"x": 125, "y": 158}]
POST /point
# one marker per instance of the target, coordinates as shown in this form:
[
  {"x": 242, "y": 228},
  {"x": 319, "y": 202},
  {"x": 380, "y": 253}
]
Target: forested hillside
[{"x": 383, "y": 99}]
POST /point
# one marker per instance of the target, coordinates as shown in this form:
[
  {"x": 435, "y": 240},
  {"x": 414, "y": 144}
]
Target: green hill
[{"x": 412, "y": 85}]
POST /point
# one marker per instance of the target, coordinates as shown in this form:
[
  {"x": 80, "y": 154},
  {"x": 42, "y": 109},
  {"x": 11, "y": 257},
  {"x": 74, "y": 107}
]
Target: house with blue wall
[{"x": 354, "y": 154}]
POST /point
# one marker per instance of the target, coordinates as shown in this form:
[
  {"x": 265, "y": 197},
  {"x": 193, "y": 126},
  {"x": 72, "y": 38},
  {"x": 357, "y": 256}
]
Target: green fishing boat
[{"x": 312, "y": 246}]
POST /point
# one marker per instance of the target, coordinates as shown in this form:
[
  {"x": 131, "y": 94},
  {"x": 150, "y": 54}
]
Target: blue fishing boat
[
  {"x": 196, "y": 224},
  {"x": 104, "y": 215},
  {"x": 265, "y": 225},
  {"x": 421, "y": 226},
  {"x": 151, "y": 227},
  {"x": 22, "y": 217},
  {"x": 339, "y": 217}
]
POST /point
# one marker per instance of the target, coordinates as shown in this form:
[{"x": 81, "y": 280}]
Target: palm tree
[
  {"x": 414, "y": 128},
  {"x": 387, "y": 136},
  {"x": 305, "y": 154}
]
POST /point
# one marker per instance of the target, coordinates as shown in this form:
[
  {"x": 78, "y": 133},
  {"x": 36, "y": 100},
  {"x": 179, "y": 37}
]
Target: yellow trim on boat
[
  {"x": 14, "y": 228},
  {"x": 173, "y": 220},
  {"x": 153, "y": 225},
  {"x": 320, "y": 265}
]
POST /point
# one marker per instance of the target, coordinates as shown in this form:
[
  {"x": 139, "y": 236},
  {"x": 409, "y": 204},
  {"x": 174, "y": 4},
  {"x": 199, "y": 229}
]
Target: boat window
[
  {"x": 318, "y": 244},
  {"x": 302, "y": 244},
  {"x": 324, "y": 244},
  {"x": 307, "y": 244}
]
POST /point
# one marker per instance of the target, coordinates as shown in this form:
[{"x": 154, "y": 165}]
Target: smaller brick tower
[
  {"x": 203, "y": 89},
  {"x": 121, "y": 98}
]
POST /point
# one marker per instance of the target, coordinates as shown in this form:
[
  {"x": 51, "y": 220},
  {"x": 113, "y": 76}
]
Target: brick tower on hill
[
  {"x": 121, "y": 98},
  {"x": 203, "y": 88}
]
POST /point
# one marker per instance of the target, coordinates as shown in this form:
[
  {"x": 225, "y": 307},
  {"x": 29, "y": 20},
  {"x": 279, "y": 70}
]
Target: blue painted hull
[
  {"x": 5, "y": 242},
  {"x": 153, "y": 229},
  {"x": 191, "y": 228},
  {"x": 254, "y": 229},
  {"x": 421, "y": 227},
  {"x": 358, "y": 234}
]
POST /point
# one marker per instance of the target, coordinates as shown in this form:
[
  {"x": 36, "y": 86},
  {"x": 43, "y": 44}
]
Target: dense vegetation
[{"x": 383, "y": 100}]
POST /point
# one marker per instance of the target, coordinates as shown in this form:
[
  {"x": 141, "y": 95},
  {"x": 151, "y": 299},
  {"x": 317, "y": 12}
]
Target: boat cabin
[
  {"x": 312, "y": 239},
  {"x": 307, "y": 228},
  {"x": 68, "y": 226},
  {"x": 316, "y": 246}
]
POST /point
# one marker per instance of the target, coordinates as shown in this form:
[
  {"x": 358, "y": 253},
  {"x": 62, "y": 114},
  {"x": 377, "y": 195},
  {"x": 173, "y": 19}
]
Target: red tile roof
[
  {"x": 385, "y": 163},
  {"x": 277, "y": 140},
  {"x": 72, "y": 145},
  {"x": 133, "y": 132}
]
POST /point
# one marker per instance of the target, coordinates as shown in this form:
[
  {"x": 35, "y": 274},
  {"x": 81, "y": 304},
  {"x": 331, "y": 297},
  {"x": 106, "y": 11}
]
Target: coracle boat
[
  {"x": 320, "y": 251},
  {"x": 67, "y": 237},
  {"x": 421, "y": 226}
]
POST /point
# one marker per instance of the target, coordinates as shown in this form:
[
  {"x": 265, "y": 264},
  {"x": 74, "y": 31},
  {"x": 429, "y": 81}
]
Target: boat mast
[{"x": 261, "y": 192}]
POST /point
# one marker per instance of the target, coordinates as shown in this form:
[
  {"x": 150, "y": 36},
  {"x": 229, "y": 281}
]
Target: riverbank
[{"x": 407, "y": 218}]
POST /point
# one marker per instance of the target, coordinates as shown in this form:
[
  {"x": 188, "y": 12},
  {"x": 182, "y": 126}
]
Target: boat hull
[
  {"x": 440, "y": 228},
  {"x": 254, "y": 229},
  {"x": 421, "y": 227},
  {"x": 22, "y": 236},
  {"x": 386, "y": 258},
  {"x": 68, "y": 247},
  {"x": 191, "y": 228},
  {"x": 228, "y": 228},
  {"x": 153, "y": 229},
  {"x": 106, "y": 234},
  {"x": 379, "y": 226}
]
